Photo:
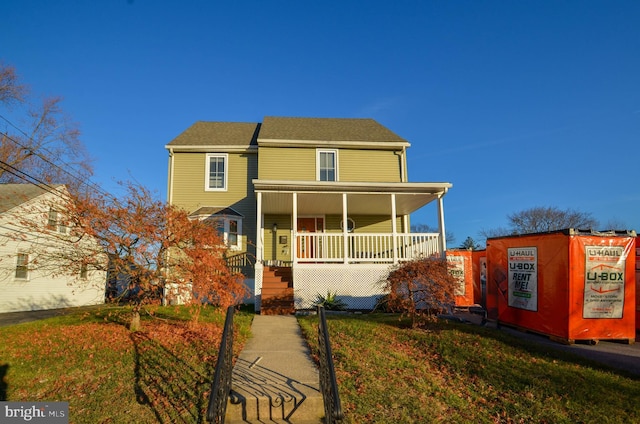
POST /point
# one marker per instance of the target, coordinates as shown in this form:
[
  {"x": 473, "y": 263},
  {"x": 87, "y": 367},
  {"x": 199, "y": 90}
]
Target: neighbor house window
[
  {"x": 84, "y": 271},
  {"x": 216, "y": 172},
  {"x": 22, "y": 266},
  {"x": 52, "y": 222},
  {"x": 55, "y": 223},
  {"x": 327, "y": 165}
]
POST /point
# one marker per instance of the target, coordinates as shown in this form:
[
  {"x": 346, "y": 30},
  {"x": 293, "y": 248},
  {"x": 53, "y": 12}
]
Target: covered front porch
[{"x": 341, "y": 237}]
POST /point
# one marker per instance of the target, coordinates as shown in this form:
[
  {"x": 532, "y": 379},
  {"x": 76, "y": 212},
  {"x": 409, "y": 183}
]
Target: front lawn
[
  {"x": 387, "y": 371},
  {"x": 111, "y": 375},
  {"x": 459, "y": 373}
]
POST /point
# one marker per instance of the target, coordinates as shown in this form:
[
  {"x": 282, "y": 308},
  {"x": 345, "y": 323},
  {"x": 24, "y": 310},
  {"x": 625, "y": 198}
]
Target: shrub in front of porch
[
  {"x": 330, "y": 302},
  {"x": 421, "y": 289}
]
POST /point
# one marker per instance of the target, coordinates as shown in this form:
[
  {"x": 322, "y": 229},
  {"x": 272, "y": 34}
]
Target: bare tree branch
[
  {"x": 11, "y": 91},
  {"x": 542, "y": 219},
  {"x": 46, "y": 145}
]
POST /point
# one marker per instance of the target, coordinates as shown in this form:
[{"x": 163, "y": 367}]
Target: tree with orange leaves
[
  {"x": 144, "y": 244},
  {"x": 421, "y": 288},
  {"x": 196, "y": 265}
]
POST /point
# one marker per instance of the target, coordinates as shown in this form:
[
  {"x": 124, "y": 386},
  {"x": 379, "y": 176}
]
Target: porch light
[
  {"x": 275, "y": 227},
  {"x": 351, "y": 225}
]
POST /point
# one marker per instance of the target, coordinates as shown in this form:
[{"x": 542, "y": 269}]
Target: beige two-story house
[
  {"x": 307, "y": 206},
  {"x": 36, "y": 246}
]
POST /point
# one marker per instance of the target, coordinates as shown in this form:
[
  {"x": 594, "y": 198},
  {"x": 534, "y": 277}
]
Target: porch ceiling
[{"x": 315, "y": 197}]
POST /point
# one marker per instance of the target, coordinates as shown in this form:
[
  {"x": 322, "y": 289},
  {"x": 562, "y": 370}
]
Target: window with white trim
[
  {"x": 55, "y": 222},
  {"x": 327, "y": 165},
  {"x": 52, "y": 222},
  {"x": 229, "y": 228},
  {"x": 216, "y": 172},
  {"x": 233, "y": 233},
  {"x": 84, "y": 271},
  {"x": 22, "y": 266}
]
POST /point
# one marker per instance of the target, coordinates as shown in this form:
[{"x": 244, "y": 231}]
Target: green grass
[
  {"x": 387, "y": 372},
  {"x": 448, "y": 372},
  {"x": 111, "y": 375}
]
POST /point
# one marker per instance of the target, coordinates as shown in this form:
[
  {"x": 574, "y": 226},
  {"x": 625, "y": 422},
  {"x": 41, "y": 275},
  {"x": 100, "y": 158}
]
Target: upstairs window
[
  {"x": 327, "y": 165},
  {"x": 55, "y": 223},
  {"x": 52, "y": 222},
  {"x": 216, "y": 172},
  {"x": 22, "y": 267}
]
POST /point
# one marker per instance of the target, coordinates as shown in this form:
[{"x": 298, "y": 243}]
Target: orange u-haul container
[
  {"x": 570, "y": 285},
  {"x": 637, "y": 284},
  {"x": 480, "y": 277},
  {"x": 461, "y": 266}
]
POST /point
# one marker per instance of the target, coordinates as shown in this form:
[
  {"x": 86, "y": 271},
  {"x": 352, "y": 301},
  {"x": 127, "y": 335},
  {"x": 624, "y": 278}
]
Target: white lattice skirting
[{"x": 358, "y": 285}]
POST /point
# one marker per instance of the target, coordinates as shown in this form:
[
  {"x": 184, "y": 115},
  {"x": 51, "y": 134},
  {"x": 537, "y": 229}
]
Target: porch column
[
  {"x": 257, "y": 288},
  {"x": 443, "y": 237},
  {"x": 394, "y": 229},
  {"x": 259, "y": 231},
  {"x": 294, "y": 226},
  {"x": 345, "y": 229}
]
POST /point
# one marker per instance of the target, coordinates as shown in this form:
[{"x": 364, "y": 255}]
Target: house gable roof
[
  {"x": 12, "y": 195},
  {"x": 287, "y": 131},
  {"x": 328, "y": 131},
  {"x": 219, "y": 135},
  {"x": 215, "y": 211}
]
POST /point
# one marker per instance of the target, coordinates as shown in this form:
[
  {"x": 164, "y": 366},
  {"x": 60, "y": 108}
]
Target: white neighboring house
[{"x": 27, "y": 283}]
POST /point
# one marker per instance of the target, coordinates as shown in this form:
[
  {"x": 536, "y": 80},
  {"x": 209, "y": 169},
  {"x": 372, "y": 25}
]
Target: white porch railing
[{"x": 365, "y": 247}]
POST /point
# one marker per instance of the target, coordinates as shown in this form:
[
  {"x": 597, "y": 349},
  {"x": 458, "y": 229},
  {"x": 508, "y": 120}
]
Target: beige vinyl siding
[
  {"x": 364, "y": 223},
  {"x": 369, "y": 165},
  {"x": 47, "y": 286},
  {"x": 287, "y": 163},
  {"x": 283, "y": 250},
  {"x": 299, "y": 164},
  {"x": 189, "y": 188},
  {"x": 189, "y": 181}
]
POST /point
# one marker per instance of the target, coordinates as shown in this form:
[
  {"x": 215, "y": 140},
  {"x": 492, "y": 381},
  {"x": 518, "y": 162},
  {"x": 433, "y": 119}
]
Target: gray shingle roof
[
  {"x": 218, "y": 134},
  {"x": 12, "y": 195},
  {"x": 326, "y": 129},
  {"x": 215, "y": 210}
]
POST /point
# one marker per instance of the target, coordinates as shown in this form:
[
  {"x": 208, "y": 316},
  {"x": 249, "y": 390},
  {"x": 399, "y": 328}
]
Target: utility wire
[
  {"x": 29, "y": 178},
  {"x": 80, "y": 179},
  {"x": 25, "y": 176}
]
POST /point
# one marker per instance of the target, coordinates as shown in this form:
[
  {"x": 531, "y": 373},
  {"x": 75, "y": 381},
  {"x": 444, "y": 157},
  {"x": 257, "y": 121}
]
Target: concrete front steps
[{"x": 274, "y": 378}]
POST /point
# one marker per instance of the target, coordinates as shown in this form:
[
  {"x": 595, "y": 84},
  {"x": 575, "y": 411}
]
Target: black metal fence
[
  {"x": 328, "y": 385},
  {"x": 221, "y": 386}
]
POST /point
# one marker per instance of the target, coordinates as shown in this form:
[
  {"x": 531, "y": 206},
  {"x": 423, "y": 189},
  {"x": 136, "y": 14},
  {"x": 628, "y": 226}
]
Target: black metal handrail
[
  {"x": 328, "y": 385},
  {"x": 221, "y": 386}
]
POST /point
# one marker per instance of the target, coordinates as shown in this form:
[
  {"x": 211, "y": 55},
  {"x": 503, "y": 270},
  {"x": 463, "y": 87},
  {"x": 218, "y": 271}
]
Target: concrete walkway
[{"x": 275, "y": 379}]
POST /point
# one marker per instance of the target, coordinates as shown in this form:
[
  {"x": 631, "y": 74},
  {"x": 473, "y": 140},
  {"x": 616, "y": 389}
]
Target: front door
[{"x": 307, "y": 244}]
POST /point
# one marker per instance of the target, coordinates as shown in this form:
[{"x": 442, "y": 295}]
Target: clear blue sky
[{"x": 516, "y": 103}]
